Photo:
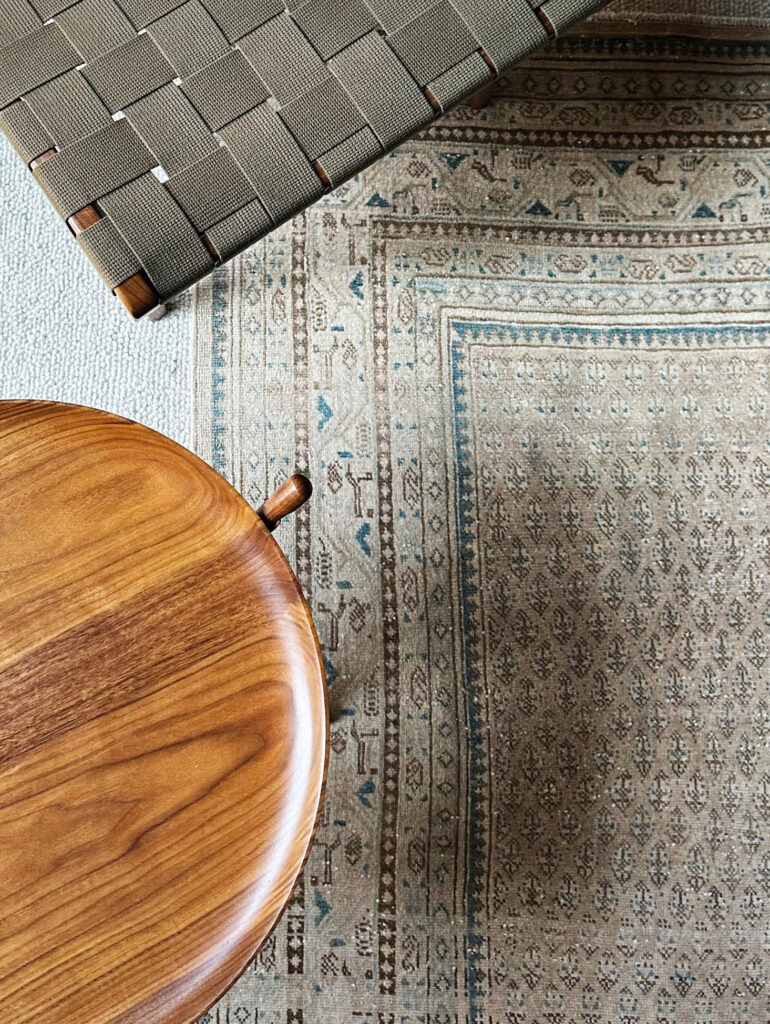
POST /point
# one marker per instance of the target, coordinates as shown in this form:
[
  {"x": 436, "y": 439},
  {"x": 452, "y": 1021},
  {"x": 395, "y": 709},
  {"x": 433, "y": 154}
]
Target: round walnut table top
[{"x": 163, "y": 724}]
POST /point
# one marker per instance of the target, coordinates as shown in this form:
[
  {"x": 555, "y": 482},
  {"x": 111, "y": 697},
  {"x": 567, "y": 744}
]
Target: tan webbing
[{"x": 196, "y": 126}]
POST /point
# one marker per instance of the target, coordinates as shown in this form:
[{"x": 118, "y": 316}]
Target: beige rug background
[{"x": 525, "y": 361}]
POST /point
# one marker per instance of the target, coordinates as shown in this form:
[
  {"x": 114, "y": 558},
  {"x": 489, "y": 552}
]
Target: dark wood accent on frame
[
  {"x": 482, "y": 98},
  {"x": 163, "y": 723},
  {"x": 137, "y": 293},
  {"x": 545, "y": 21}
]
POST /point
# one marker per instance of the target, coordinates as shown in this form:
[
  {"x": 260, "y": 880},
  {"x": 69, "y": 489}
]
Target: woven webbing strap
[{"x": 193, "y": 128}]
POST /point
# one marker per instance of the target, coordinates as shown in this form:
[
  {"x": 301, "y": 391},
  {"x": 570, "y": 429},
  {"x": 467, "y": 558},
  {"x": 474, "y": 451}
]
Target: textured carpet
[
  {"x": 63, "y": 337},
  {"x": 525, "y": 361}
]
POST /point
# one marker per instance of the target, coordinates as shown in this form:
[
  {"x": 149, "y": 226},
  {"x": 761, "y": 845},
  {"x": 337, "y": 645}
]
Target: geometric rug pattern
[{"x": 526, "y": 361}]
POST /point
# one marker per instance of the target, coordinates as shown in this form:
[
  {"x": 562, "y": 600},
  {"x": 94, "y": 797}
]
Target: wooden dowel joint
[{"x": 290, "y": 496}]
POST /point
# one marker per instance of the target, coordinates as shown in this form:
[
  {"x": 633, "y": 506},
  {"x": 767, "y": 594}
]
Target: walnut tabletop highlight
[{"x": 163, "y": 723}]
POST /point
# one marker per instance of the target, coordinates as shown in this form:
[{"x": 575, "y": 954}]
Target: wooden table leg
[{"x": 482, "y": 98}]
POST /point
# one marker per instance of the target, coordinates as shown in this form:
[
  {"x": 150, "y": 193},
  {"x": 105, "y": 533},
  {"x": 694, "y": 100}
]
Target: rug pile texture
[{"x": 525, "y": 361}]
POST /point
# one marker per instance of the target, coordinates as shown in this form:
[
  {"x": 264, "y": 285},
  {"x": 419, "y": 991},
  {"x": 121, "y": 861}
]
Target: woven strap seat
[{"x": 170, "y": 135}]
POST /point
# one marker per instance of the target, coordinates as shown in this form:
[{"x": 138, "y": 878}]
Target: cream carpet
[{"x": 63, "y": 337}]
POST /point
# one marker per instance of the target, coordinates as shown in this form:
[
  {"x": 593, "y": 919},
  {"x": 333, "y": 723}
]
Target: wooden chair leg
[
  {"x": 137, "y": 293},
  {"x": 482, "y": 98}
]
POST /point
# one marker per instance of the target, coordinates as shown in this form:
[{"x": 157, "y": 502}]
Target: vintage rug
[{"x": 526, "y": 361}]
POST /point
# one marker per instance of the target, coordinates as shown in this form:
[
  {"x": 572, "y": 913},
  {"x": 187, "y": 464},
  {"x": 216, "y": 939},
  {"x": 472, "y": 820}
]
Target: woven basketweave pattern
[{"x": 191, "y": 129}]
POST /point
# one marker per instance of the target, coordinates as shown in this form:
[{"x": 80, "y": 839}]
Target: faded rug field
[{"x": 525, "y": 361}]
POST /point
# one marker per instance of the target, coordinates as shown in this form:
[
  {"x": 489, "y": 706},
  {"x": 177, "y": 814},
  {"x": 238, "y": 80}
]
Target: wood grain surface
[{"x": 163, "y": 724}]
